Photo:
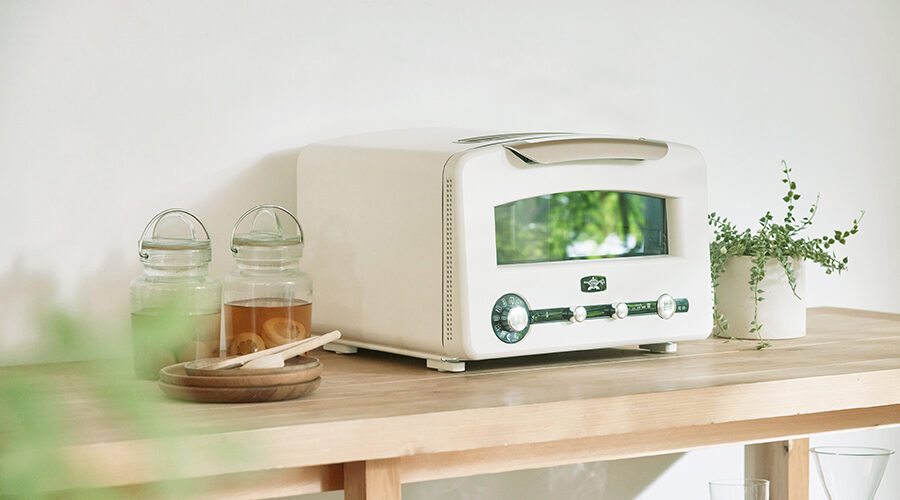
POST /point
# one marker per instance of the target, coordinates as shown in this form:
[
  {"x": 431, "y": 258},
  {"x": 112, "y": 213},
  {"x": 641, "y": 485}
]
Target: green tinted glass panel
[{"x": 580, "y": 225}]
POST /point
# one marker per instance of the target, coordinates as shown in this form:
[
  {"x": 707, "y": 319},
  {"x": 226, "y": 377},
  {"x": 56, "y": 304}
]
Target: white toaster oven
[{"x": 451, "y": 246}]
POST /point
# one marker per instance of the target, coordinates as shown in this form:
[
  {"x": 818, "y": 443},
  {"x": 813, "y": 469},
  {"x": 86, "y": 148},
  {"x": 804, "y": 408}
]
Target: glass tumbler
[
  {"x": 739, "y": 489},
  {"x": 850, "y": 472}
]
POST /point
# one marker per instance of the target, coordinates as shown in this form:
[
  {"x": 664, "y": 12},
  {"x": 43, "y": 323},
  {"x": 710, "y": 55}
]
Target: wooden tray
[
  {"x": 299, "y": 364},
  {"x": 239, "y": 394},
  {"x": 296, "y": 370}
]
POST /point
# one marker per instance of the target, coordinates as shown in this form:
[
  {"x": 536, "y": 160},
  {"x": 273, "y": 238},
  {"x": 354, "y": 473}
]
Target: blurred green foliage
[
  {"x": 573, "y": 225},
  {"x": 45, "y": 407}
]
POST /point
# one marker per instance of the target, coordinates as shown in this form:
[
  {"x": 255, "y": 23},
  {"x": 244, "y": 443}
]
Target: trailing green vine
[{"x": 773, "y": 240}]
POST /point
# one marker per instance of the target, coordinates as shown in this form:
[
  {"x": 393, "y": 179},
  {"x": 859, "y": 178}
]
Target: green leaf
[{"x": 773, "y": 240}]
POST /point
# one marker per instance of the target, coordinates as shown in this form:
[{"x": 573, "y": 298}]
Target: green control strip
[
  {"x": 563, "y": 314},
  {"x": 511, "y": 317}
]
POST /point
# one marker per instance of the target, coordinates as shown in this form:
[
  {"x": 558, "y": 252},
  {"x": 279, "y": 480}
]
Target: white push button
[
  {"x": 621, "y": 311},
  {"x": 665, "y": 306},
  {"x": 579, "y": 313}
]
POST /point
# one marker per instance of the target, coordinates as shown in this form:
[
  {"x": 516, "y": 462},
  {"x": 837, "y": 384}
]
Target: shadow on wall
[
  {"x": 101, "y": 291},
  {"x": 619, "y": 479},
  {"x": 271, "y": 180}
]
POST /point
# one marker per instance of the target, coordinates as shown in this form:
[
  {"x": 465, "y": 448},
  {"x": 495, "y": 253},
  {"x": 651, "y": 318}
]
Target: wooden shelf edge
[
  {"x": 636, "y": 444},
  {"x": 126, "y": 462},
  {"x": 426, "y": 467}
]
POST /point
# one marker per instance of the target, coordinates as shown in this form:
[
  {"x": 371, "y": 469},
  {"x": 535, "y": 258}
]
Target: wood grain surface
[
  {"x": 372, "y": 480},
  {"x": 373, "y": 406},
  {"x": 239, "y": 394},
  {"x": 784, "y": 463}
]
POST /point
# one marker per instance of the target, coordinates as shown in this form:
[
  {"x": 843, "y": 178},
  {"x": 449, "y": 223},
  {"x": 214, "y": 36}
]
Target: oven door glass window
[{"x": 579, "y": 225}]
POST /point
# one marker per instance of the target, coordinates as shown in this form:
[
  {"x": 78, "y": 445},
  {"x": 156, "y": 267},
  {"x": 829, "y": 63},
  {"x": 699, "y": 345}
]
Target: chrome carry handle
[
  {"x": 550, "y": 150},
  {"x": 234, "y": 249},
  {"x": 143, "y": 255}
]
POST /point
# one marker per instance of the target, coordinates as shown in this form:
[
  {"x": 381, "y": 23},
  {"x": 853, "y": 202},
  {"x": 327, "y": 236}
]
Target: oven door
[{"x": 571, "y": 243}]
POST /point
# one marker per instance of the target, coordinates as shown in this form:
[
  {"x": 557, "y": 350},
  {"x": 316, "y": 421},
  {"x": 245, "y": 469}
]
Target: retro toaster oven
[{"x": 451, "y": 246}]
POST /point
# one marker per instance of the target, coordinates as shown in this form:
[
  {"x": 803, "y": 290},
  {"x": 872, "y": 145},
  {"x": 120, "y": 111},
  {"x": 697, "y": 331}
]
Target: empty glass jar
[
  {"x": 268, "y": 299},
  {"x": 175, "y": 305}
]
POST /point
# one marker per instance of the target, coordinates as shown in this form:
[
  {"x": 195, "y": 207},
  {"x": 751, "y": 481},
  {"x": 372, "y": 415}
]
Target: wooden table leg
[
  {"x": 372, "y": 480},
  {"x": 784, "y": 463}
]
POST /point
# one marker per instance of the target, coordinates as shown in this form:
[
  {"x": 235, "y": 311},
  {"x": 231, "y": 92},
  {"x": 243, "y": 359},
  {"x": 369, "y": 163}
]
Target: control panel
[{"x": 511, "y": 317}]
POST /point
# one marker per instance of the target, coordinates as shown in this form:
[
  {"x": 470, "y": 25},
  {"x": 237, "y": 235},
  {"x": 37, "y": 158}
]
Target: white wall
[{"x": 111, "y": 111}]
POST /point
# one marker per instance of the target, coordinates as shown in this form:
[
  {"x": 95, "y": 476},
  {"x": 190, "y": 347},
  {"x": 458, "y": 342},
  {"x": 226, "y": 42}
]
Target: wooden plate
[
  {"x": 300, "y": 363},
  {"x": 291, "y": 374},
  {"x": 239, "y": 394}
]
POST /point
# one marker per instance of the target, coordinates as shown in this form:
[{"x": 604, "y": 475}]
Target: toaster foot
[
  {"x": 446, "y": 365},
  {"x": 661, "y": 348},
  {"x": 340, "y": 348}
]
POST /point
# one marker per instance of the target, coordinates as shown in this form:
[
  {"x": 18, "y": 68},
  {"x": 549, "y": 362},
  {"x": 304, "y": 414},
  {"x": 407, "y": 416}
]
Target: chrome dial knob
[
  {"x": 665, "y": 306},
  {"x": 620, "y": 311},
  {"x": 514, "y": 319},
  {"x": 510, "y": 318}
]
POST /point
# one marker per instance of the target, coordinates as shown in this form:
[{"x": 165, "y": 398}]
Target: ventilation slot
[{"x": 448, "y": 260}]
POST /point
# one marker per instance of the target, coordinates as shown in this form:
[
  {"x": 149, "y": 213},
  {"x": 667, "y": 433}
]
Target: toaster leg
[
  {"x": 340, "y": 348},
  {"x": 661, "y": 348},
  {"x": 446, "y": 365}
]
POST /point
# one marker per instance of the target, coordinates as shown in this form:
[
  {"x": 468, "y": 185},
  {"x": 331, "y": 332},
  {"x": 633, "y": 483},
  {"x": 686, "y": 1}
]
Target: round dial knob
[
  {"x": 514, "y": 319},
  {"x": 620, "y": 310},
  {"x": 665, "y": 306},
  {"x": 510, "y": 318}
]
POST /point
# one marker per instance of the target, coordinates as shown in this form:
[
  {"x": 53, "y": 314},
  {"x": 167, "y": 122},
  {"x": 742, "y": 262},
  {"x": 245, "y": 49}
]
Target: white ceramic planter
[{"x": 782, "y": 315}]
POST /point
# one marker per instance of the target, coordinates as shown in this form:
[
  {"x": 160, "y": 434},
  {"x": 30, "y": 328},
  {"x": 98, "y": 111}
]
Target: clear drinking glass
[
  {"x": 739, "y": 489},
  {"x": 850, "y": 472}
]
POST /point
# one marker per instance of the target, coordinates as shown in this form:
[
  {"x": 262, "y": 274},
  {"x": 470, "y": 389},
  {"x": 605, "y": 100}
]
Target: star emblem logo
[{"x": 590, "y": 284}]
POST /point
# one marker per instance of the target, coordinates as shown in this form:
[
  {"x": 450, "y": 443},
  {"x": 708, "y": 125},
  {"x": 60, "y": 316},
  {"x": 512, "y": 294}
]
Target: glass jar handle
[
  {"x": 234, "y": 249},
  {"x": 156, "y": 219}
]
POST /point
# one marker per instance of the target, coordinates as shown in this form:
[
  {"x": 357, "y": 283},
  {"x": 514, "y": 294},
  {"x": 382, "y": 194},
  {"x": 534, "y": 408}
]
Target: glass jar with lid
[
  {"x": 175, "y": 305},
  {"x": 268, "y": 299}
]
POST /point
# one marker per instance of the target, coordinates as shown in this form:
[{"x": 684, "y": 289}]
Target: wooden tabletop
[{"x": 629, "y": 402}]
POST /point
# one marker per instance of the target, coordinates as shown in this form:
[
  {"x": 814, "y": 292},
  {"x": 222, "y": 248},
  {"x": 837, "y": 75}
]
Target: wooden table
[{"x": 379, "y": 420}]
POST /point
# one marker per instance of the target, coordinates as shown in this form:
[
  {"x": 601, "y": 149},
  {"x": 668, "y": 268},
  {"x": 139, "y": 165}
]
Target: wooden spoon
[
  {"x": 277, "y": 360},
  {"x": 224, "y": 364}
]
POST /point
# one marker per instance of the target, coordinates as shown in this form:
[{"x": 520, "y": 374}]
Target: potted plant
[{"x": 749, "y": 267}]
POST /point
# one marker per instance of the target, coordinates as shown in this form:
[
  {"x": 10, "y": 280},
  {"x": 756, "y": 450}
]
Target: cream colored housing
[{"x": 400, "y": 240}]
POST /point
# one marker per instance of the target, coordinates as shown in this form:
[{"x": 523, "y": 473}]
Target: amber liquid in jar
[
  {"x": 255, "y": 324},
  {"x": 162, "y": 339}
]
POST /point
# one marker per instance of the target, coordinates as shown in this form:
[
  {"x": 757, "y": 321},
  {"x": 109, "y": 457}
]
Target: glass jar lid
[
  {"x": 175, "y": 237},
  {"x": 271, "y": 233}
]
